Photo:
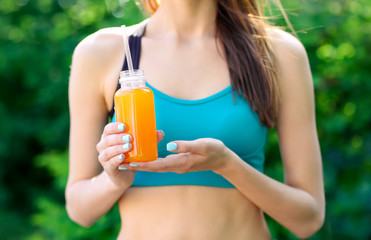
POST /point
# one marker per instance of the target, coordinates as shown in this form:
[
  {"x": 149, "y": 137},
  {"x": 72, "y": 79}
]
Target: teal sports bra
[{"x": 217, "y": 116}]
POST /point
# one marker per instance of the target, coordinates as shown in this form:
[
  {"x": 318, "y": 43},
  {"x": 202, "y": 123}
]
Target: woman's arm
[
  {"x": 299, "y": 204},
  {"x": 91, "y": 192}
]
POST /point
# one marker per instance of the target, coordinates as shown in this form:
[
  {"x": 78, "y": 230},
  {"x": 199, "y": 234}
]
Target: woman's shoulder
[
  {"x": 97, "y": 61},
  {"x": 285, "y": 45},
  {"x": 102, "y": 46},
  {"x": 292, "y": 62}
]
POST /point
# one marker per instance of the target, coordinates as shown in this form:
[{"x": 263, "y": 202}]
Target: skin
[{"x": 190, "y": 212}]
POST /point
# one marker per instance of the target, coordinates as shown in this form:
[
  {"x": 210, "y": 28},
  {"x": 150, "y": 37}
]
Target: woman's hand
[
  {"x": 112, "y": 146},
  {"x": 198, "y": 155}
]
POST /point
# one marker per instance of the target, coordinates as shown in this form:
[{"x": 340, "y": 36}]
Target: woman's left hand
[{"x": 198, "y": 155}]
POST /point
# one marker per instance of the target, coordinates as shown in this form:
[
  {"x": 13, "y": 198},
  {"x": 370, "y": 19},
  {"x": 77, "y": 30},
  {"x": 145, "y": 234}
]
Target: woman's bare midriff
[{"x": 189, "y": 213}]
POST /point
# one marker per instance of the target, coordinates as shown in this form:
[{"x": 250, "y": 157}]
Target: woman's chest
[
  {"x": 217, "y": 116},
  {"x": 186, "y": 71}
]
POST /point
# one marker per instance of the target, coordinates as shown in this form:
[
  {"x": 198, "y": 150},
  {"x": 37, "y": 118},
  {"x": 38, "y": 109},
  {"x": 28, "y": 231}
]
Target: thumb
[
  {"x": 196, "y": 146},
  {"x": 160, "y": 135}
]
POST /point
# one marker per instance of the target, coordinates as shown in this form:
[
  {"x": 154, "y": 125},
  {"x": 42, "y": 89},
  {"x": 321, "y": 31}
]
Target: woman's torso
[
  {"x": 186, "y": 212},
  {"x": 189, "y": 213}
]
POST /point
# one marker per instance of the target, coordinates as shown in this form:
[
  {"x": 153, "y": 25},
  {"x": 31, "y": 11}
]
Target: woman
[{"x": 220, "y": 77}]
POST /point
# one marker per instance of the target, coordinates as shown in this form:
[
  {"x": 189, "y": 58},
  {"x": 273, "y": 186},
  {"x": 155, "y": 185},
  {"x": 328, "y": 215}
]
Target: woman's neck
[{"x": 184, "y": 19}]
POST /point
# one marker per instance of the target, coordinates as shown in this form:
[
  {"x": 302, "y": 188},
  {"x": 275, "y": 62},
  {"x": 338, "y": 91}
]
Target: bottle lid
[{"x": 132, "y": 75}]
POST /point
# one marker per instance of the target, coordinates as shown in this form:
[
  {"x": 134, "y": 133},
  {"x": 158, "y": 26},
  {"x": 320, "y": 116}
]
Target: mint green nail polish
[
  {"x": 121, "y": 127},
  {"x": 120, "y": 156},
  {"x": 123, "y": 168},
  {"x": 126, "y": 138},
  {"x": 133, "y": 165},
  {"x": 126, "y": 146},
  {"x": 171, "y": 146}
]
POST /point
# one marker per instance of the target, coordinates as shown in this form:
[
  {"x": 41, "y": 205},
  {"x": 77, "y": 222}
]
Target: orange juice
[{"x": 134, "y": 106}]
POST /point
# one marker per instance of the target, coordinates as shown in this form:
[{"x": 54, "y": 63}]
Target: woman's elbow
[
  {"x": 75, "y": 217},
  {"x": 310, "y": 227}
]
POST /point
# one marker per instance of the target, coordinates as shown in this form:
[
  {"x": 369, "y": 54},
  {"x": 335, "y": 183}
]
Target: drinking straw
[{"x": 127, "y": 51}]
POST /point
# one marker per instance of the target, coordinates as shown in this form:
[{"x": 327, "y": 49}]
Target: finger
[
  {"x": 112, "y": 128},
  {"x": 196, "y": 146},
  {"x": 112, "y": 151},
  {"x": 180, "y": 163},
  {"x": 115, "y": 162},
  {"x": 160, "y": 135},
  {"x": 156, "y": 165},
  {"x": 112, "y": 140}
]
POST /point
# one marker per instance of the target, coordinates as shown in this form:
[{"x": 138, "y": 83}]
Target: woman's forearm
[
  {"x": 87, "y": 200},
  {"x": 292, "y": 207}
]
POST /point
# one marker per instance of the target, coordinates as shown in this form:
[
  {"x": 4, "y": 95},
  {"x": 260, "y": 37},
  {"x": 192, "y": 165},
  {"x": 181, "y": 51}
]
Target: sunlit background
[{"x": 37, "y": 39}]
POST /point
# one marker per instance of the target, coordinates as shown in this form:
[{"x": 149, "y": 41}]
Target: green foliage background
[{"x": 37, "y": 38}]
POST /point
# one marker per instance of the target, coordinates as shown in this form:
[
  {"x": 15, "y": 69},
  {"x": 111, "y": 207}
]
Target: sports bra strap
[{"x": 135, "y": 45}]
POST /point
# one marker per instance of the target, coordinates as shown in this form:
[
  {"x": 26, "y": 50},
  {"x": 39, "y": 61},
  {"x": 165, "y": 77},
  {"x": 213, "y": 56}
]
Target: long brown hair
[{"x": 241, "y": 29}]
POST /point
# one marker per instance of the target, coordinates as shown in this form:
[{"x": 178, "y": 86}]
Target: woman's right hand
[{"x": 111, "y": 148}]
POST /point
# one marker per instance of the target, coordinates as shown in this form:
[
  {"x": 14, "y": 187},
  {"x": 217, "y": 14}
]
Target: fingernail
[
  {"x": 162, "y": 132},
  {"x": 121, "y": 127},
  {"x": 171, "y": 146},
  {"x": 126, "y": 138},
  {"x": 123, "y": 168},
  {"x": 126, "y": 146},
  {"x": 133, "y": 165},
  {"x": 121, "y": 156}
]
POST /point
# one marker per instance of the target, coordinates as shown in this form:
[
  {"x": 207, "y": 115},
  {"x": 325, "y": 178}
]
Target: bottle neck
[
  {"x": 132, "y": 84},
  {"x": 132, "y": 80}
]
